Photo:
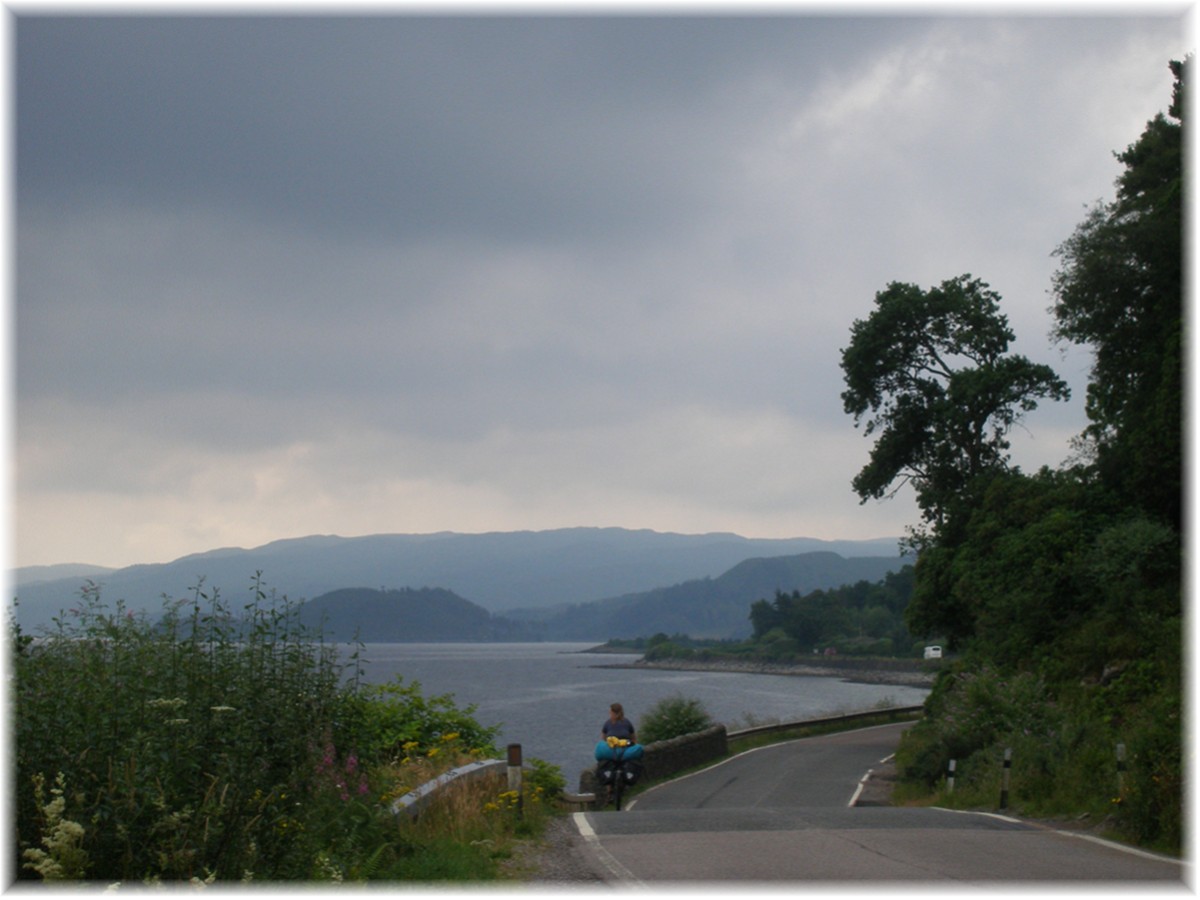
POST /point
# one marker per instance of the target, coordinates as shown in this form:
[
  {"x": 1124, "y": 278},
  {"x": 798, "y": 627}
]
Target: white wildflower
[{"x": 165, "y": 703}]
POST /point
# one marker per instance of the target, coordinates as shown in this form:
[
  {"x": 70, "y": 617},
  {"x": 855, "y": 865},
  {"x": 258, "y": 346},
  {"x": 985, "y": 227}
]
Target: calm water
[{"x": 552, "y": 698}]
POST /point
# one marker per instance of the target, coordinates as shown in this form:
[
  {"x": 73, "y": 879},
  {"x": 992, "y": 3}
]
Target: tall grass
[{"x": 211, "y": 745}]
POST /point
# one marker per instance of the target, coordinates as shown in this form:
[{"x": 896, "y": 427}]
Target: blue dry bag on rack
[{"x": 604, "y": 752}]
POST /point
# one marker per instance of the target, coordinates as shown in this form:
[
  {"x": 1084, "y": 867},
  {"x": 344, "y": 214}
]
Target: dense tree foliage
[
  {"x": 864, "y": 617},
  {"x": 1120, "y": 291},
  {"x": 1012, "y": 580},
  {"x": 1062, "y": 590},
  {"x": 930, "y": 372}
]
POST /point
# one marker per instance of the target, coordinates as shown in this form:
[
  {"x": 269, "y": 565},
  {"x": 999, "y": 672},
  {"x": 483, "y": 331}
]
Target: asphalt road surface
[{"x": 786, "y": 813}]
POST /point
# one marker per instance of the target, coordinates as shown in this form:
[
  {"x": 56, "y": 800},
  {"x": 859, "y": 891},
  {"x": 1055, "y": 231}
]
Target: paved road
[{"x": 784, "y": 814}]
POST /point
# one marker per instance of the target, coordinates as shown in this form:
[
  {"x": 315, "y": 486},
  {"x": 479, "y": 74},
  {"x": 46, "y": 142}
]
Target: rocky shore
[{"x": 908, "y": 673}]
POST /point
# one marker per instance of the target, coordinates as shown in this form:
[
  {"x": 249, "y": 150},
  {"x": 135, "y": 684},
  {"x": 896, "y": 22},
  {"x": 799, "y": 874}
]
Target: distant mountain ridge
[
  {"x": 38, "y": 574},
  {"x": 498, "y": 570},
  {"x": 704, "y": 608}
]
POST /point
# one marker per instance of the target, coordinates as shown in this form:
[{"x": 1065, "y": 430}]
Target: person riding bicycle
[{"x": 616, "y": 734}]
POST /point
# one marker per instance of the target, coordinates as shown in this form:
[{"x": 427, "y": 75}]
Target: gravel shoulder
[{"x": 557, "y": 858}]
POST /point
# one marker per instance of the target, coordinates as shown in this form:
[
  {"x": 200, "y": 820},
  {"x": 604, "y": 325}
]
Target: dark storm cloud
[
  {"x": 289, "y": 274},
  {"x": 506, "y": 127}
]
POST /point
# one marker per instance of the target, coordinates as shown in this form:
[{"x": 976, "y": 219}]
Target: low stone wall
[
  {"x": 663, "y": 759},
  {"x": 415, "y": 801}
]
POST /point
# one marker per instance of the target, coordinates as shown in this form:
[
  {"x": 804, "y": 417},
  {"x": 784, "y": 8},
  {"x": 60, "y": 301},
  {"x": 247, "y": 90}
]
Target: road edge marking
[
  {"x": 1114, "y": 845},
  {"x": 1104, "y": 842},
  {"x": 622, "y": 875},
  {"x": 862, "y": 783}
]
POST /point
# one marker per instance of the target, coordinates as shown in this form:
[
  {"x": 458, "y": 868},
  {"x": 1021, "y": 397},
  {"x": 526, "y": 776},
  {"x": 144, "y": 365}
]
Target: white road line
[
  {"x": 862, "y": 782},
  {"x": 1145, "y": 854},
  {"x": 621, "y": 875},
  {"x": 1113, "y": 845}
]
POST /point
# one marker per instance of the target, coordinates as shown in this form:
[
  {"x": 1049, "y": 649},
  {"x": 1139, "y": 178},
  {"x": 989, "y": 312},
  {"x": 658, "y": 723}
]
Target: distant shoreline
[{"x": 864, "y": 672}]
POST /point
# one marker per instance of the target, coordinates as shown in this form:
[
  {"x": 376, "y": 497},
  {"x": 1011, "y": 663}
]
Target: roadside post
[
  {"x": 1121, "y": 770},
  {"x": 514, "y": 776},
  {"x": 1004, "y": 778},
  {"x": 950, "y": 776}
]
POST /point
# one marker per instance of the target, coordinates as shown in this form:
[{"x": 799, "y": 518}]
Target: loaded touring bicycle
[{"x": 619, "y": 765}]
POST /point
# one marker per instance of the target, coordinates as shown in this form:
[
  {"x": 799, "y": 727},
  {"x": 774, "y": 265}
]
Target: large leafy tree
[
  {"x": 1071, "y": 579},
  {"x": 1120, "y": 290},
  {"x": 929, "y": 372},
  {"x": 1011, "y": 583}
]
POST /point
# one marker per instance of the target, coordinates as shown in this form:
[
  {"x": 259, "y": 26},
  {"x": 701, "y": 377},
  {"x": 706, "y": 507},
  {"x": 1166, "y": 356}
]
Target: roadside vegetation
[
  {"x": 672, "y": 717},
  {"x": 1059, "y": 591},
  {"x": 1058, "y": 595},
  {"x": 214, "y": 747}
]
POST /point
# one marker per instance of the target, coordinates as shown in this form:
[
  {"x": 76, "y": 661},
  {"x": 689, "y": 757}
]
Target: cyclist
[{"x": 615, "y": 726}]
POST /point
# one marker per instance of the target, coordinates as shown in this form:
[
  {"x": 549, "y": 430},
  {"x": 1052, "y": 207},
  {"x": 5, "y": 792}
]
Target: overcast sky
[{"x": 298, "y": 275}]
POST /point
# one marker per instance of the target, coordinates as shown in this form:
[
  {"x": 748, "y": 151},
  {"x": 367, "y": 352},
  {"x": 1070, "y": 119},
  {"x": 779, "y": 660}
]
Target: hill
[
  {"x": 708, "y": 607},
  {"x": 407, "y": 615},
  {"x": 499, "y": 571},
  {"x": 38, "y": 574}
]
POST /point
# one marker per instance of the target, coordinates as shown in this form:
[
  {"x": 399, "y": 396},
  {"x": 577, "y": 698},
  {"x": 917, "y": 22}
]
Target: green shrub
[
  {"x": 545, "y": 778},
  {"x": 969, "y": 711},
  {"x": 673, "y": 717},
  {"x": 215, "y": 746},
  {"x": 1064, "y": 749},
  {"x": 668, "y": 650},
  {"x": 379, "y": 721},
  {"x": 179, "y": 742},
  {"x": 1151, "y": 809}
]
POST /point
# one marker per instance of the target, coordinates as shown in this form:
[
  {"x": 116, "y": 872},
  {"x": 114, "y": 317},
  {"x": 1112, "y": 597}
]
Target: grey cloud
[
  {"x": 510, "y": 127},
  {"x": 483, "y": 261}
]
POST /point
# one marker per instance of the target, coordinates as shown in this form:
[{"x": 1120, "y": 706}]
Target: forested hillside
[
  {"x": 709, "y": 607},
  {"x": 1061, "y": 590},
  {"x": 407, "y": 615},
  {"x": 864, "y": 618}
]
